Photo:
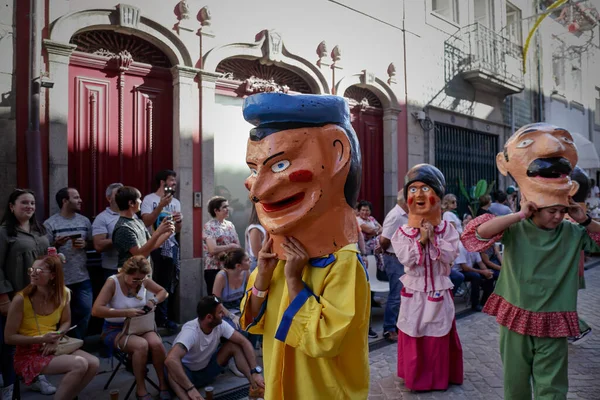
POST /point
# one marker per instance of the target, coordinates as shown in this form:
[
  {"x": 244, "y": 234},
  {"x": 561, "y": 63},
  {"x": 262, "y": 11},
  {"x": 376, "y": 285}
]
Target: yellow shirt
[
  {"x": 317, "y": 346},
  {"x": 47, "y": 323}
]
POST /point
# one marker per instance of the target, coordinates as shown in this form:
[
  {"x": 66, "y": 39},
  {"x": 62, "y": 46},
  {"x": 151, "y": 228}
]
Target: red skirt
[
  {"x": 430, "y": 363},
  {"x": 29, "y": 362}
]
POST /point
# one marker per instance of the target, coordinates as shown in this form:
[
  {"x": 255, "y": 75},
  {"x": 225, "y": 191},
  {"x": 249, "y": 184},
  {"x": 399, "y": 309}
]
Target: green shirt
[{"x": 540, "y": 266}]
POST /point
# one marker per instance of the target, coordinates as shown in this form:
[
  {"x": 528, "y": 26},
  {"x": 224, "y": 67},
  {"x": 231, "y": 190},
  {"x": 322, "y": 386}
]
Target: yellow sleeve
[
  {"x": 256, "y": 325},
  {"x": 318, "y": 325}
]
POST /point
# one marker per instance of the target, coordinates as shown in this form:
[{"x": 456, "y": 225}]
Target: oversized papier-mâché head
[
  {"x": 305, "y": 169},
  {"x": 540, "y": 158},
  {"x": 585, "y": 185},
  {"x": 424, "y": 187}
]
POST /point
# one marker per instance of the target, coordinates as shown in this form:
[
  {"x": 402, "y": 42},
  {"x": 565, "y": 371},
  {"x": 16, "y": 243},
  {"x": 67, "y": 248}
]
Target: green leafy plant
[{"x": 472, "y": 196}]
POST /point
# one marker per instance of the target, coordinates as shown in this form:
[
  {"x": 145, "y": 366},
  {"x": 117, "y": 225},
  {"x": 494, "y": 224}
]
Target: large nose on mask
[{"x": 552, "y": 145}]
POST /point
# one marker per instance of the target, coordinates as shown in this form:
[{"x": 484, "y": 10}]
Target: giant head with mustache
[{"x": 540, "y": 158}]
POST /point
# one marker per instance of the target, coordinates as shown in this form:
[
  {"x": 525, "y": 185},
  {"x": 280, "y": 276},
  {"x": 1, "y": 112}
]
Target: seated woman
[
  {"x": 125, "y": 295},
  {"x": 33, "y": 317},
  {"x": 230, "y": 283}
]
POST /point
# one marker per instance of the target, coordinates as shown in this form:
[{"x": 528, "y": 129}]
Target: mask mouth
[
  {"x": 283, "y": 204},
  {"x": 550, "y": 168}
]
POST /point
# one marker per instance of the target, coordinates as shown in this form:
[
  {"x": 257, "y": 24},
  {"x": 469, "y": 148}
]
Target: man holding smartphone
[
  {"x": 155, "y": 207},
  {"x": 71, "y": 232}
]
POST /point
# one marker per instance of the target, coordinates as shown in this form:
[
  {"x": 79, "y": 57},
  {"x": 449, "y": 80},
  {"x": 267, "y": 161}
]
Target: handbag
[
  {"x": 66, "y": 344},
  {"x": 136, "y": 326}
]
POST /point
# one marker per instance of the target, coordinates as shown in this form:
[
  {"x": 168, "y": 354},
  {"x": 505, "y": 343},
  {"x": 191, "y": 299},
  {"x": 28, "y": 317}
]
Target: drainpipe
[{"x": 33, "y": 138}]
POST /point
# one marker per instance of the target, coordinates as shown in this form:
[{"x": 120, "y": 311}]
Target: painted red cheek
[
  {"x": 411, "y": 200},
  {"x": 301, "y": 176},
  {"x": 432, "y": 200}
]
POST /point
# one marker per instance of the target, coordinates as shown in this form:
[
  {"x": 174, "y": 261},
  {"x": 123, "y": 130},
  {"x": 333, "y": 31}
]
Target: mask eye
[
  {"x": 280, "y": 166},
  {"x": 567, "y": 140},
  {"x": 253, "y": 172},
  {"x": 524, "y": 143},
  {"x": 425, "y": 189},
  {"x": 412, "y": 190}
]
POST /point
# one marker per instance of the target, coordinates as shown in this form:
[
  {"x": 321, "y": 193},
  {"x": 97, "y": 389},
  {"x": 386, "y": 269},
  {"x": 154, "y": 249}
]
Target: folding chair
[{"x": 125, "y": 360}]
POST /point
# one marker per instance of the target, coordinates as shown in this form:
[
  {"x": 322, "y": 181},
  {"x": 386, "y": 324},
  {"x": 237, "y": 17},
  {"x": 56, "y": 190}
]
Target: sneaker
[
  {"x": 460, "y": 292},
  {"x": 372, "y": 334},
  {"x": 43, "y": 386},
  {"x": 7, "y": 392},
  {"x": 233, "y": 368},
  {"x": 577, "y": 340}
]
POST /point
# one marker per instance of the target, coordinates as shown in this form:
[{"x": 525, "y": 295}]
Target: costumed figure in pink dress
[{"x": 429, "y": 350}]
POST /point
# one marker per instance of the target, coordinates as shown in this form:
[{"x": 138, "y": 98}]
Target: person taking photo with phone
[
  {"x": 132, "y": 293},
  {"x": 165, "y": 259},
  {"x": 71, "y": 233}
]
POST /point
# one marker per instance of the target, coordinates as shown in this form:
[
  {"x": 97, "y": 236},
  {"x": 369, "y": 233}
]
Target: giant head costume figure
[
  {"x": 424, "y": 187},
  {"x": 540, "y": 158},
  {"x": 305, "y": 169},
  {"x": 585, "y": 186}
]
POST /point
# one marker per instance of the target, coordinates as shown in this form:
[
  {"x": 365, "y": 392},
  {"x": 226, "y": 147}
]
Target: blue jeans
[
  {"x": 394, "y": 270},
  {"x": 6, "y": 357},
  {"x": 81, "y": 307},
  {"x": 457, "y": 279}
]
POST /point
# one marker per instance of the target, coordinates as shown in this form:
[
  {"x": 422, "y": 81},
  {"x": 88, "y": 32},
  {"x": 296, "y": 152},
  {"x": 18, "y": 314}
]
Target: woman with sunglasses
[
  {"x": 22, "y": 241},
  {"x": 449, "y": 206},
  {"x": 33, "y": 317},
  {"x": 126, "y": 294}
]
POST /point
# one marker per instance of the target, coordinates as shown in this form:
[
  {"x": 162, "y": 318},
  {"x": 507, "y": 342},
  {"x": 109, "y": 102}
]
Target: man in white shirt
[
  {"x": 480, "y": 278},
  {"x": 394, "y": 269},
  {"x": 155, "y": 207},
  {"x": 197, "y": 356},
  {"x": 102, "y": 229}
]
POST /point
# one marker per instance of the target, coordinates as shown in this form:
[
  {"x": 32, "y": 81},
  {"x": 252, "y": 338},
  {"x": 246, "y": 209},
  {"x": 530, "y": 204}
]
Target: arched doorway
[
  {"x": 242, "y": 77},
  {"x": 366, "y": 114},
  {"x": 120, "y": 124}
]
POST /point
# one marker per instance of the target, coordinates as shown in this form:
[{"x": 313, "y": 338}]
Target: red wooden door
[
  {"x": 120, "y": 126},
  {"x": 368, "y": 124}
]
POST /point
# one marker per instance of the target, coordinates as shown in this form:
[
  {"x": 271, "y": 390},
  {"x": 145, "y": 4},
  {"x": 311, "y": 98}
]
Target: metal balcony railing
[{"x": 476, "y": 50}]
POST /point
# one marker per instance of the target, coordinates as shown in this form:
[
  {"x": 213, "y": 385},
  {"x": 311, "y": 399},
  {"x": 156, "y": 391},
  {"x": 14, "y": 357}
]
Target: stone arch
[
  {"x": 124, "y": 19},
  {"x": 369, "y": 81},
  {"x": 269, "y": 49}
]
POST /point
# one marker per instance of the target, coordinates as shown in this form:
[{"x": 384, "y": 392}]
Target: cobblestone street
[{"x": 482, "y": 365}]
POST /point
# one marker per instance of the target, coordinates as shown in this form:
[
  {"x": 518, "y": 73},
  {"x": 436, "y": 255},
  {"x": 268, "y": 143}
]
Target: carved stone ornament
[
  {"x": 391, "y": 71},
  {"x": 272, "y": 46},
  {"x": 367, "y": 77},
  {"x": 184, "y": 10},
  {"x": 129, "y": 16},
  {"x": 322, "y": 49},
  {"x": 124, "y": 60},
  {"x": 256, "y": 85},
  {"x": 205, "y": 16}
]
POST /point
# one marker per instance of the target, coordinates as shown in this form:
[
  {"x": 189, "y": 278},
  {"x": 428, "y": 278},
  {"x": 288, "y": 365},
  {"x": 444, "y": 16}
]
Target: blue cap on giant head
[{"x": 275, "y": 112}]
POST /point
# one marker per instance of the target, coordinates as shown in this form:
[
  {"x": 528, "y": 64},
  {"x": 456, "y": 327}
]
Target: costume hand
[
  {"x": 528, "y": 208},
  {"x": 165, "y": 200},
  {"x": 133, "y": 312},
  {"x": 426, "y": 231},
  {"x": 61, "y": 241},
  {"x": 51, "y": 337},
  {"x": 296, "y": 257},
  {"x": 79, "y": 243},
  {"x": 49, "y": 348},
  {"x": 576, "y": 212},
  {"x": 258, "y": 380},
  {"x": 267, "y": 260}
]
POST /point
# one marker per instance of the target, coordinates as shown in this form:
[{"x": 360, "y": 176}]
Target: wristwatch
[
  {"x": 587, "y": 221},
  {"x": 256, "y": 370}
]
